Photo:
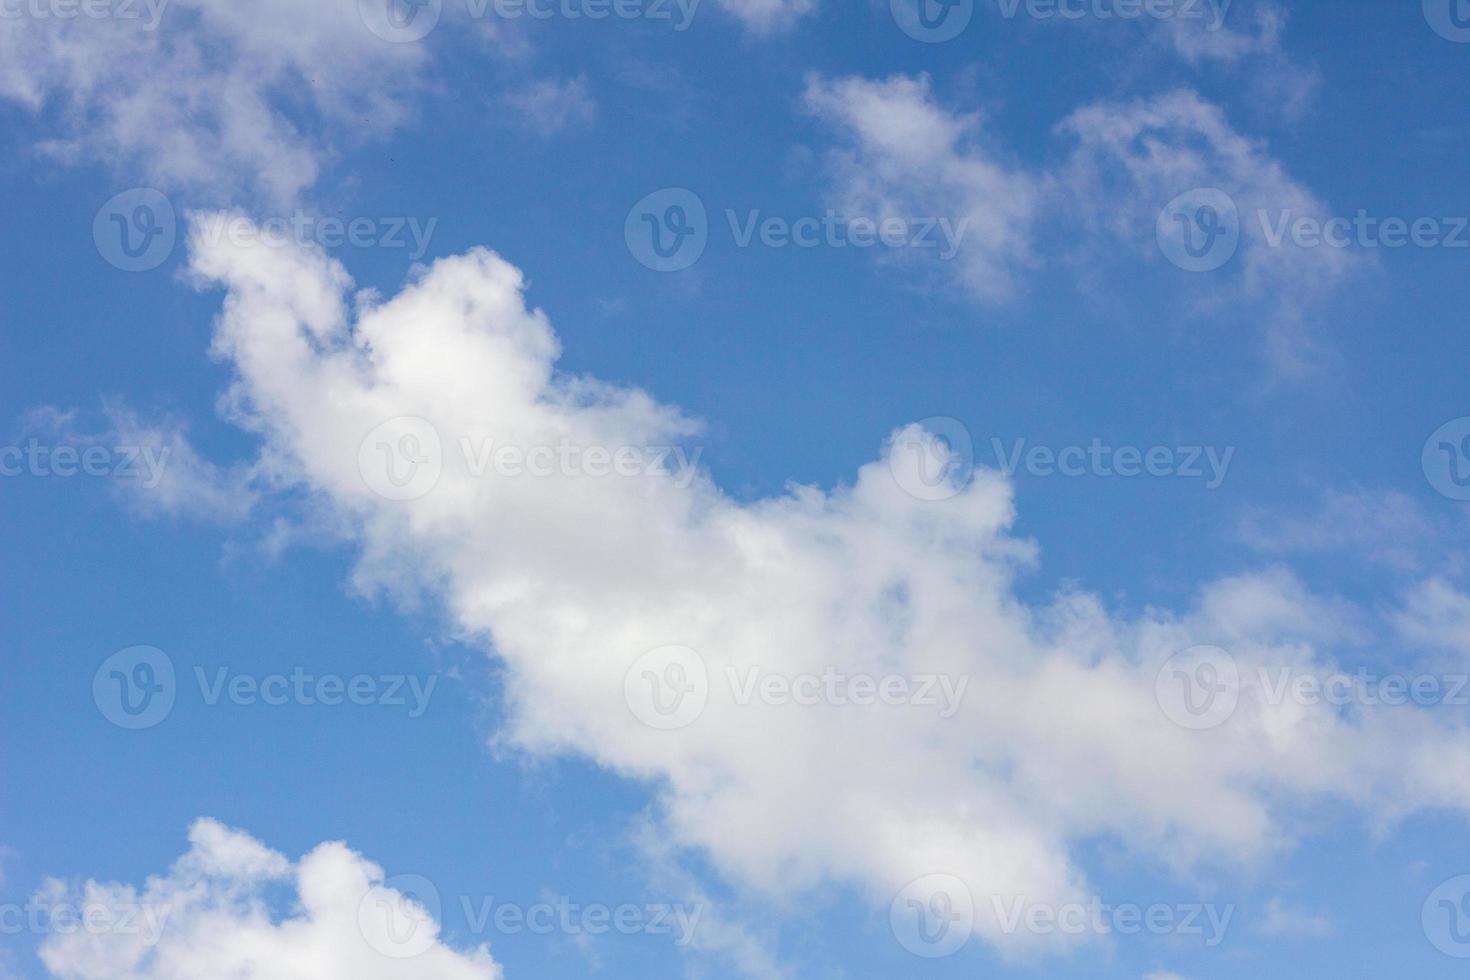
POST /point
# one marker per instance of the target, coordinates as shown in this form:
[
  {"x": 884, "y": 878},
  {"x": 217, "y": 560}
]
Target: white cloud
[
  {"x": 1280, "y": 919},
  {"x": 210, "y": 916},
  {"x": 1133, "y": 158},
  {"x": 907, "y": 157},
  {"x": 550, "y": 106},
  {"x": 571, "y": 580},
  {"x": 248, "y": 103},
  {"x": 1209, "y": 39},
  {"x": 154, "y": 465},
  {"x": 216, "y": 98},
  {"x": 1253, "y": 51},
  {"x": 1437, "y": 615},
  {"x": 1382, "y": 527},
  {"x": 765, "y": 16},
  {"x": 1163, "y": 975}
]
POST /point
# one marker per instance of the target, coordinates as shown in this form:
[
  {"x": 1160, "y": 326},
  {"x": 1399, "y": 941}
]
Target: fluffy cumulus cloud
[
  {"x": 212, "y": 915},
  {"x": 394, "y": 414},
  {"x": 903, "y": 153}
]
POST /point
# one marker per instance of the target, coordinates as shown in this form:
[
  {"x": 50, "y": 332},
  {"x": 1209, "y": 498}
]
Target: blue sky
[{"x": 895, "y": 462}]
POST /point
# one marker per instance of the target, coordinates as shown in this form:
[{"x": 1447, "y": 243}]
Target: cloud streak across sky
[{"x": 569, "y": 581}]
